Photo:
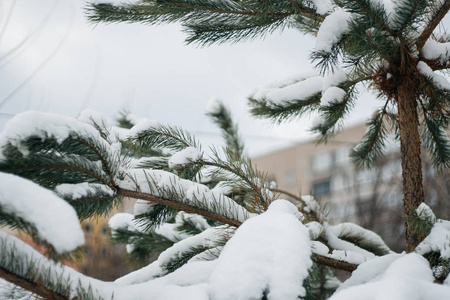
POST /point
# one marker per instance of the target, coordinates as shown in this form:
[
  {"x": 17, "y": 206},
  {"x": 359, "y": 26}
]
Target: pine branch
[
  {"x": 178, "y": 205},
  {"x": 100, "y": 156},
  {"x": 434, "y": 21},
  {"x": 283, "y": 112},
  {"x": 221, "y": 116},
  {"x": 207, "y": 22},
  {"x": 371, "y": 10},
  {"x": 333, "y": 113},
  {"x": 217, "y": 217},
  {"x": 333, "y": 263},
  {"x": 409, "y": 13},
  {"x": 35, "y": 287},
  {"x": 371, "y": 147},
  {"x": 436, "y": 140},
  {"x": 162, "y": 136}
]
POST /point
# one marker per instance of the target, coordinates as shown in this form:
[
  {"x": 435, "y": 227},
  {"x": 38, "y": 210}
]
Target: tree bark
[{"x": 413, "y": 194}]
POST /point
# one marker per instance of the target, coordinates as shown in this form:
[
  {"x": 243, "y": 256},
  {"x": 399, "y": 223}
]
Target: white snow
[
  {"x": 80, "y": 190},
  {"x": 434, "y": 50},
  {"x": 141, "y": 207},
  {"x": 54, "y": 219},
  {"x": 213, "y": 106},
  {"x": 425, "y": 213},
  {"x": 298, "y": 90},
  {"x": 164, "y": 184},
  {"x": 370, "y": 270},
  {"x": 199, "y": 222},
  {"x": 440, "y": 81},
  {"x": 185, "y": 156},
  {"x": 43, "y": 125},
  {"x": 268, "y": 253},
  {"x": 142, "y": 125},
  {"x": 93, "y": 118},
  {"x": 322, "y": 6},
  {"x": 334, "y": 79},
  {"x": 437, "y": 241},
  {"x": 208, "y": 238},
  {"x": 315, "y": 229},
  {"x": 332, "y": 29},
  {"x": 332, "y": 94},
  {"x": 351, "y": 229},
  {"x": 311, "y": 204},
  {"x": 397, "y": 277}
]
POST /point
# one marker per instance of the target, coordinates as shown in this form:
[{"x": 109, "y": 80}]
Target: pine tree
[
  {"x": 222, "y": 229},
  {"x": 391, "y": 48}
]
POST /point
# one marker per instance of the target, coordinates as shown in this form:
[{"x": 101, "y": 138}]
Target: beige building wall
[{"x": 292, "y": 167}]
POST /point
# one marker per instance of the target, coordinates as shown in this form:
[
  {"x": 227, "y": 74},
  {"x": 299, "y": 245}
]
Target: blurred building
[
  {"x": 371, "y": 198},
  {"x": 104, "y": 259}
]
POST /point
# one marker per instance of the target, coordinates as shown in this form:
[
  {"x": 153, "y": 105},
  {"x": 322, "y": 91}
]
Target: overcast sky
[{"x": 53, "y": 60}]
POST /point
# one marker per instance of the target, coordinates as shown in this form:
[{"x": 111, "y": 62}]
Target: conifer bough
[
  {"x": 279, "y": 251},
  {"x": 390, "y": 47}
]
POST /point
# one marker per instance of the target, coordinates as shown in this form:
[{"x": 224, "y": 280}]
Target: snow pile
[
  {"x": 302, "y": 89},
  {"x": 322, "y": 6},
  {"x": 425, "y": 213},
  {"x": 311, "y": 204},
  {"x": 80, "y": 190},
  {"x": 341, "y": 249},
  {"x": 43, "y": 125},
  {"x": 141, "y": 126},
  {"x": 393, "y": 277},
  {"x": 438, "y": 240},
  {"x": 303, "y": 86},
  {"x": 54, "y": 219},
  {"x": 434, "y": 50},
  {"x": 208, "y": 238},
  {"x": 332, "y": 29},
  {"x": 438, "y": 80},
  {"x": 292, "y": 87},
  {"x": 185, "y": 156},
  {"x": 165, "y": 184},
  {"x": 353, "y": 230},
  {"x": 268, "y": 254},
  {"x": 330, "y": 91}
]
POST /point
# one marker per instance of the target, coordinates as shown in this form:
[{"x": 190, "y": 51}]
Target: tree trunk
[{"x": 413, "y": 194}]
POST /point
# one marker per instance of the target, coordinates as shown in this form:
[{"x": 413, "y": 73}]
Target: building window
[
  {"x": 321, "y": 188},
  {"x": 340, "y": 181},
  {"x": 342, "y": 156},
  {"x": 291, "y": 178},
  {"x": 322, "y": 162}
]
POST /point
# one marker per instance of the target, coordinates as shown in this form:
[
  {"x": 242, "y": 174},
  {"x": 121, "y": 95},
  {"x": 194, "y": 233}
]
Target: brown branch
[
  {"x": 35, "y": 287},
  {"x": 434, "y": 22},
  {"x": 333, "y": 263},
  {"x": 178, "y": 205},
  {"x": 323, "y": 260},
  {"x": 252, "y": 185}
]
